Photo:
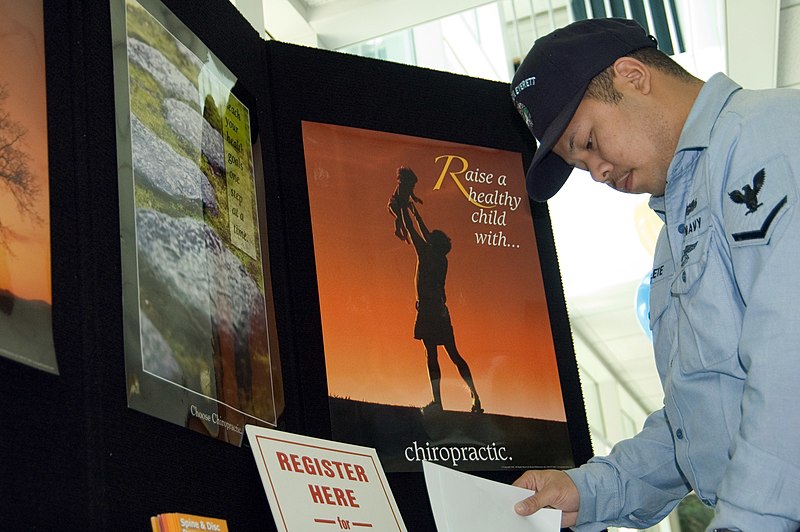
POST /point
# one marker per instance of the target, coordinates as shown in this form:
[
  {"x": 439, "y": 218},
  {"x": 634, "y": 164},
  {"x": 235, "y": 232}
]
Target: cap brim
[{"x": 548, "y": 172}]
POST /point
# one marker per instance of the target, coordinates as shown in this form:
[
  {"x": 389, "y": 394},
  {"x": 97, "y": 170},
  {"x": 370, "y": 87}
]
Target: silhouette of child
[{"x": 401, "y": 198}]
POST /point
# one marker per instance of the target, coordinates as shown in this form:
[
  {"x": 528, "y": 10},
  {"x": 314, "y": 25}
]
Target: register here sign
[{"x": 315, "y": 484}]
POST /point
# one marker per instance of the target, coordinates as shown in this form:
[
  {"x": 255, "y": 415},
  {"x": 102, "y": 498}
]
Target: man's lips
[{"x": 621, "y": 183}]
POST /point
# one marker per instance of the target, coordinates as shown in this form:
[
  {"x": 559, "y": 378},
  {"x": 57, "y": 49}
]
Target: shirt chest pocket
[
  {"x": 692, "y": 265},
  {"x": 706, "y": 314},
  {"x": 661, "y": 321},
  {"x": 660, "y": 290}
]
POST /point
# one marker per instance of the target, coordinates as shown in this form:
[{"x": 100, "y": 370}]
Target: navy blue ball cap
[{"x": 552, "y": 79}]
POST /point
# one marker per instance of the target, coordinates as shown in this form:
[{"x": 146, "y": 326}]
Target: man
[{"x": 722, "y": 166}]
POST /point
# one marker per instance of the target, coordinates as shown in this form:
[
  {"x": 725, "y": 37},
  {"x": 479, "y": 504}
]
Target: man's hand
[{"x": 554, "y": 489}]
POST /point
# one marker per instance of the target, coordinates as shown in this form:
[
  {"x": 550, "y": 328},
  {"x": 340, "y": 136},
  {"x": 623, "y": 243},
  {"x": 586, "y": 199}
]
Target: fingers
[
  {"x": 528, "y": 506},
  {"x": 532, "y": 505},
  {"x": 554, "y": 489},
  {"x": 527, "y": 480},
  {"x": 533, "y": 481}
]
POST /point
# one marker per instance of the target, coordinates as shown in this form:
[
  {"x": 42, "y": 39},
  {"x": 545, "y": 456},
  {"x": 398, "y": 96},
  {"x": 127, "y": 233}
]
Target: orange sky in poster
[
  {"x": 26, "y": 270},
  {"x": 366, "y": 275}
]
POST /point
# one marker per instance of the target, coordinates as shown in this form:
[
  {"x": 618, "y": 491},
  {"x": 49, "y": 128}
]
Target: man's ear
[{"x": 633, "y": 73}]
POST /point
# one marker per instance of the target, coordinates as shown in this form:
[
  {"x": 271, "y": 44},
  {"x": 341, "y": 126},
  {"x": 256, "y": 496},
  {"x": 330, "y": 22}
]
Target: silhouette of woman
[{"x": 433, "y": 325}]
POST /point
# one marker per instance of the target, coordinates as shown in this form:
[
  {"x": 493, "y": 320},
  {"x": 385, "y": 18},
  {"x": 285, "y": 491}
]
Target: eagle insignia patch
[
  {"x": 749, "y": 195},
  {"x": 758, "y": 203}
]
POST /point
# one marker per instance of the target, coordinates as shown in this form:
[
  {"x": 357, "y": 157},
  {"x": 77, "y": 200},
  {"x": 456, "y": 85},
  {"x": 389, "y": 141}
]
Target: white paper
[{"x": 466, "y": 503}]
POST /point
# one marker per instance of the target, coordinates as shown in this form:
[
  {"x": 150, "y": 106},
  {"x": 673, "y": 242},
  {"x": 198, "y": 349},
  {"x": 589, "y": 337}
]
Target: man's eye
[{"x": 589, "y": 143}]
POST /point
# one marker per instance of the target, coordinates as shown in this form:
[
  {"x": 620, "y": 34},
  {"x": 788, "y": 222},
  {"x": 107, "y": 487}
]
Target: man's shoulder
[
  {"x": 765, "y": 105},
  {"x": 758, "y": 121}
]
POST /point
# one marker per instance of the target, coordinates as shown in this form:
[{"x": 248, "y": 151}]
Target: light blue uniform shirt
[{"x": 725, "y": 314}]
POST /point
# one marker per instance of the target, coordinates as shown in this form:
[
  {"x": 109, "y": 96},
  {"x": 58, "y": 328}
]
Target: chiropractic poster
[
  {"x": 315, "y": 484},
  {"x": 200, "y": 339},
  {"x": 26, "y": 323},
  {"x": 437, "y": 340}
]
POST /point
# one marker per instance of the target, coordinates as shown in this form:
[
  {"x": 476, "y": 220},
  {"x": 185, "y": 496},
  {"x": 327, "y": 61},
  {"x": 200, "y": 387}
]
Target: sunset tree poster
[
  {"x": 437, "y": 339},
  {"x": 26, "y": 321}
]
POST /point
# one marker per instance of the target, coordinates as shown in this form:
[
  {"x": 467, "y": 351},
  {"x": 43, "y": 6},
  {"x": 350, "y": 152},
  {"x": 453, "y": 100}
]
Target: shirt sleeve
[
  {"x": 636, "y": 485},
  {"x": 760, "y": 489}
]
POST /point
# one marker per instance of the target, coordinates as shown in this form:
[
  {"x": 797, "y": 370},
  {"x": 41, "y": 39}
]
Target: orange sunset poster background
[
  {"x": 365, "y": 273},
  {"x": 26, "y": 323}
]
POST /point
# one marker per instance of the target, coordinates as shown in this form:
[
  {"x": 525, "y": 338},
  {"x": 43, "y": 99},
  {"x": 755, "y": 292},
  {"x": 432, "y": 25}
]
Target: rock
[
  {"x": 163, "y": 71},
  {"x": 160, "y": 168},
  {"x": 195, "y": 130}
]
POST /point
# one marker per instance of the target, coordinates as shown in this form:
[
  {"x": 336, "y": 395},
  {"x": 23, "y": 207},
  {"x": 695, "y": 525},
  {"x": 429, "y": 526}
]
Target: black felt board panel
[
  {"x": 74, "y": 457},
  {"x": 323, "y": 86}
]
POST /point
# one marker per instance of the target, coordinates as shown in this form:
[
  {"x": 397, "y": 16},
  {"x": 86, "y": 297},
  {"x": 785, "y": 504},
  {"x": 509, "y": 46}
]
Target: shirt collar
[{"x": 696, "y": 132}]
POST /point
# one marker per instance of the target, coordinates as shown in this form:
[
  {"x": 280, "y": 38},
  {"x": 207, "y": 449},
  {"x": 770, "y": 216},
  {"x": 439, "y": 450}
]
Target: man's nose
[{"x": 599, "y": 168}]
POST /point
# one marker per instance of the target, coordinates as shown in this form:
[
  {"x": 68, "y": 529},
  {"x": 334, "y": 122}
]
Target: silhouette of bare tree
[{"x": 16, "y": 177}]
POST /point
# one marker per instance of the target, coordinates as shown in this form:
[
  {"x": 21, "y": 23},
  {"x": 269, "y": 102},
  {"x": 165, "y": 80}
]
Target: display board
[
  {"x": 76, "y": 456},
  {"x": 373, "y": 101},
  {"x": 84, "y": 450}
]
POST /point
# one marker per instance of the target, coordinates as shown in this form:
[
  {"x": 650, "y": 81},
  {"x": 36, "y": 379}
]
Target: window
[{"x": 659, "y": 17}]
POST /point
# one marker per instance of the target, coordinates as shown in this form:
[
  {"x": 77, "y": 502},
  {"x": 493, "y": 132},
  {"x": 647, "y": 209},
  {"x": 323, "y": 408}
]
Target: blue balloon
[{"x": 642, "y": 305}]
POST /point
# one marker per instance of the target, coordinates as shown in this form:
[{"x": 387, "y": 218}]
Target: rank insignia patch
[
  {"x": 749, "y": 195},
  {"x": 757, "y": 204}
]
